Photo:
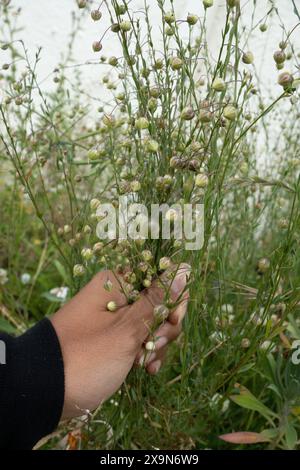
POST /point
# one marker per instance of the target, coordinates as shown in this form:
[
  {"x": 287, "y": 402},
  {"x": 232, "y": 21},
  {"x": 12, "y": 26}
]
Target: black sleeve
[{"x": 31, "y": 386}]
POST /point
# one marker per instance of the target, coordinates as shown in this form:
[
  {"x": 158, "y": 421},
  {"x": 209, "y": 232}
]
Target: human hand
[{"x": 99, "y": 347}]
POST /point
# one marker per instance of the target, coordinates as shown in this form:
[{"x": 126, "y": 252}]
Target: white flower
[
  {"x": 60, "y": 292},
  {"x": 227, "y": 308},
  {"x": 25, "y": 278},
  {"x": 3, "y": 276}
]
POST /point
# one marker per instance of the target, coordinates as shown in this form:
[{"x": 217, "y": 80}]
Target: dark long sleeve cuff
[{"x": 31, "y": 387}]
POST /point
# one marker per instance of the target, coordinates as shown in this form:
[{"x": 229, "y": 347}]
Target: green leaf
[
  {"x": 291, "y": 436},
  {"x": 247, "y": 400},
  {"x": 6, "y": 327},
  {"x": 61, "y": 270}
]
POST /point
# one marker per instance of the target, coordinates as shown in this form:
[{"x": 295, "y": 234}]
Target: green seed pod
[
  {"x": 164, "y": 263},
  {"x": 279, "y": 57},
  {"x": 201, "y": 180},
  {"x": 96, "y": 15},
  {"x": 263, "y": 27},
  {"x": 120, "y": 9},
  {"x": 115, "y": 28},
  {"x": 218, "y": 85},
  {"x": 248, "y": 58},
  {"x": 78, "y": 270},
  {"x": 230, "y": 113},
  {"x": 147, "y": 255},
  {"x": 125, "y": 26},
  {"x": 146, "y": 283},
  {"x": 113, "y": 61},
  {"x": 208, "y": 3},
  {"x": 169, "y": 17},
  {"x": 94, "y": 203},
  {"x": 82, "y": 3},
  {"x": 158, "y": 64},
  {"x": 170, "y": 31},
  {"x": 135, "y": 186},
  {"x": 152, "y": 105},
  {"x": 152, "y": 146},
  {"x": 141, "y": 123},
  {"x": 176, "y": 63},
  {"x": 87, "y": 253},
  {"x": 192, "y": 19},
  {"x": 233, "y": 3}
]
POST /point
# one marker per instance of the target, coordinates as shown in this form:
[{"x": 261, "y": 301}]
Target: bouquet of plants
[{"x": 195, "y": 140}]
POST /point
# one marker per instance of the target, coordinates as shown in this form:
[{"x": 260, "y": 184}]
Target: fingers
[
  {"x": 161, "y": 338},
  {"x": 155, "y": 295},
  {"x": 154, "y": 367}
]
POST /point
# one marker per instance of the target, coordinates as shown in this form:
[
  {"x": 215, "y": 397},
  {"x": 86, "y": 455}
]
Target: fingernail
[
  {"x": 161, "y": 342},
  {"x": 180, "y": 279},
  {"x": 155, "y": 366}
]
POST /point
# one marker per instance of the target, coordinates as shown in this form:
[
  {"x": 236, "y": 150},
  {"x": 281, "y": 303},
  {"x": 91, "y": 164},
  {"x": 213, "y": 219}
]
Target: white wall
[{"x": 48, "y": 24}]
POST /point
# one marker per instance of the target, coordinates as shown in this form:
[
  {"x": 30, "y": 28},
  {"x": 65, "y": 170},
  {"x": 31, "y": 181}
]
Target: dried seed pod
[
  {"x": 161, "y": 312},
  {"x": 96, "y": 15},
  {"x": 97, "y": 46},
  {"x": 285, "y": 80},
  {"x": 187, "y": 114}
]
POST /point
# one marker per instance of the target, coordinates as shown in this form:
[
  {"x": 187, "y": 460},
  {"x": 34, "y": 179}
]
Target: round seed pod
[
  {"x": 164, "y": 263},
  {"x": 208, "y": 3},
  {"x": 279, "y": 57},
  {"x": 142, "y": 123},
  {"x": 218, "y": 84},
  {"x": 125, "y": 26},
  {"x": 192, "y": 19},
  {"x": 150, "y": 346},
  {"x": 230, "y": 113},
  {"x": 263, "y": 265},
  {"x": 169, "y": 17},
  {"x": 97, "y": 46},
  {"x": 161, "y": 312},
  {"x": 187, "y": 114},
  {"x": 285, "y": 80},
  {"x": 82, "y": 3},
  {"x": 111, "y": 306},
  {"x": 201, "y": 180},
  {"x": 78, "y": 270},
  {"x": 115, "y": 28},
  {"x": 96, "y": 15},
  {"x": 248, "y": 58},
  {"x": 176, "y": 63}
]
